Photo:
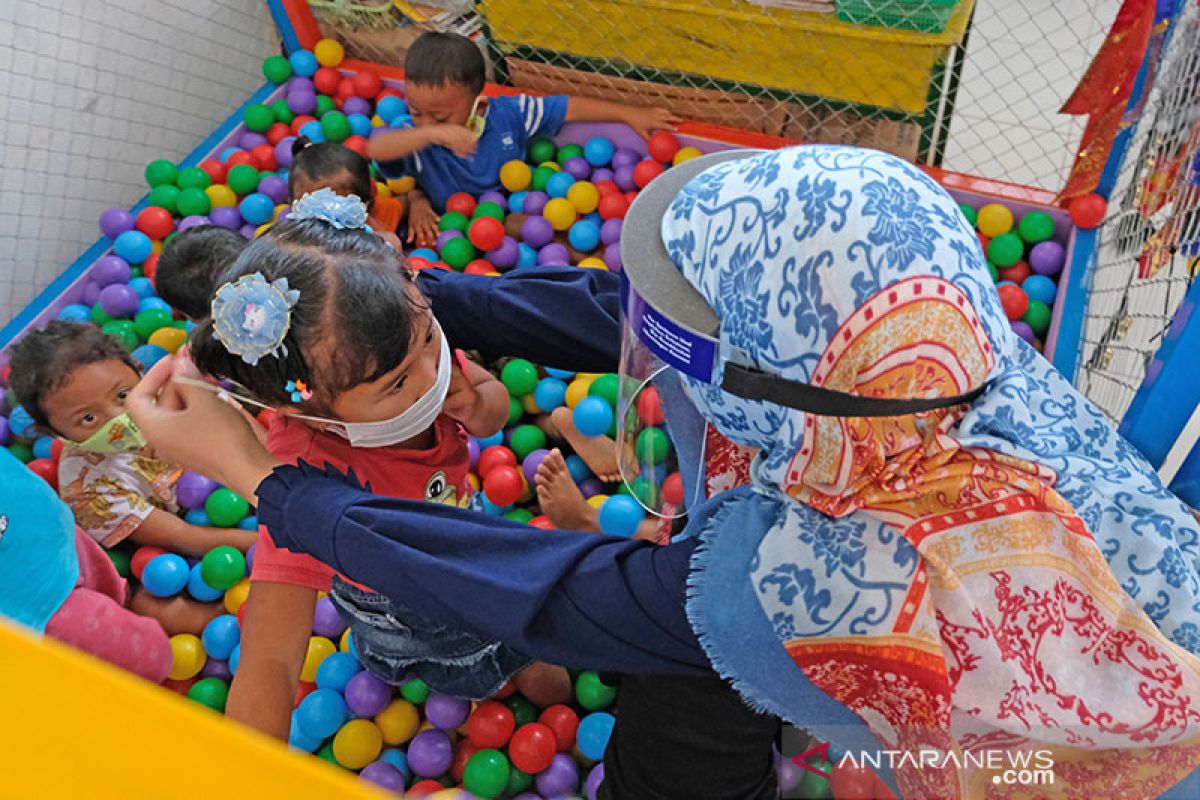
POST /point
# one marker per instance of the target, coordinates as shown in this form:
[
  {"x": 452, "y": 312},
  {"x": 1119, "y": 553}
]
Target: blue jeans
[{"x": 397, "y": 644}]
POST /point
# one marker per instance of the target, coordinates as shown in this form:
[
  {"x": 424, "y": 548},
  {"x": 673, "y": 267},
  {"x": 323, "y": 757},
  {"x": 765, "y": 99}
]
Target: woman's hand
[{"x": 196, "y": 429}]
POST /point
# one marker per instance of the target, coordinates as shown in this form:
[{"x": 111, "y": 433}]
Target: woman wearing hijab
[{"x": 945, "y": 548}]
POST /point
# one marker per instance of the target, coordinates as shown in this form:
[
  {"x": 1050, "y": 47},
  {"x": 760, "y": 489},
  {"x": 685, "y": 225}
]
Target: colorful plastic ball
[
  {"x": 1005, "y": 249},
  {"x": 593, "y": 416},
  {"x": 223, "y": 566},
  {"x": 200, "y": 590},
  {"x": 155, "y": 222},
  {"x": 225, "y": 508},
  {"x": 197, "y": 518},
  {"x": 258, "y": 117},
  {"x": 165, "y": 197},
  {"x": 329, "y": 52},
  {"x": 550, "y": 393},
  {"x": 663, "y": 146},
  {"x": 148, "y": 355},
  {"x": 384, "y": 775},
  {"x": 1087, "y": 211},
  {"x": 541, "y": 150},
  {"x": 486, "y": 774},
  {"x": 645, "y": 172},
  {"x": 321, "y": 713},
  {"x": 613, "y": 207},
  {"x": 578, "y": 168},
  {"x": 458, "y": 252},
  {"x": 519, "y": 376},
  {"x": 170, "y": 339},
  {"x": 1013, "y": 299},
  {"x": 491, "y": 724},
  {"x": 1037, "y": 316},
  {"x": 515, "y": 176},
  {"x": 598, "y": 151},
  {"x": 592, "y": 693},
  {"x": 486, "y": 233},
  {"x": 276, "y": 69},
  {"x": 594, "y": 733},
  {"x": 187, "y": 656},
  {"x": 686, "y": 154},
  {"x": 584, "y": 236},
  {"x": 336, "y": 671},
  {"x": 567, "y": 152},
  {"x": 537, "y": 232},
  {"x": 399, "y": 722},
  {"x": 243, "y": 178},
  {"x": 118, "y": 300},
  {"x": 194, "y": 202},
  {"x": 969, "y": 213},
  {"x": 620, "y": 516},
  {"x": 358, "y": 743},
  {"x": 559, "y": 183},
  {"x": 561, "y": 778},
  {"x": 257, "y": 208},
  {"x": 160, "y": 172},
  {"x": 994, "y": 220},
  {"x": 1020, "y": 328},
  {"x": 560, "y": 213},
  {"x": 115, "y": 221},
  {"x": 123, "y": 331},
  {"x": 503, "y": 485},
  {"x": 415, "y": 691},
  {"x": 149, "y": 320},
  {"x": 430, "y": 753},
  {"x": 532, "y": 747},
  {"x": 526, "y": 439},
  {"x": 75, "y": 312},
  {"x": 133, "y": 246},
  {"x": 304, "y": 63},
  {"x": 367, "y": 695},
  {"x": 1036, "y": 226},
  {"x": 1040, "y": 288},
  {"x": 367, "y": 84},
  {"x": 335, "y": 126},
  {"x": 110, "y": 270},
  {"x": 220, "y": 636},
  {"x": 211, "y": 692},
  {"x": 1017, "y": 273},
  {"x": 1047, "y": 258}
]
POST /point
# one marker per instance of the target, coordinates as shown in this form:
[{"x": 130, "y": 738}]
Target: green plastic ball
[
  {"x": 161, "y": 172},
  {"x": 458, "y": 252},
  {"x": 1037, "y": 317},
  {"x": 335, "y": 126},
  {"x": 123, "y": 331},
  {"x": 486, "y": 774},
  {"x": 326, "y": 752},
  {"x": 518, "y": 781},
  {"x": 121, "y": 562},
  {"x": 593, "y": 693},
  {"x": 222, "y": 567},
  {"x": 211, "y": 692},
  {"x": 1005, "y": 250},
  {"x": 606, "y": 388},
  {"x": 194, "y": 201},
  {"x": 516, "y": 410},
  {"x": 243, "y": 179},
  {"x": 643, "y": 489},
  {"x": 277, "y": 69},
  {"x": 325, "y": 104},
  {"x": 970, "y": 213},
  {"x": 136, "y": 272},
  {"x": 519, "y": 376},
  {"x": 165, "y": 196},
  {"x": 521, "y": 515},
  {"x": 99, "y": 316},
  {"x": 488, "y": 209},
  {"x": 415, "y": 691},
  {"x": 523, "y": 711},
  {"x": 193, "y": 178},
  {"x": 995, "y": 273},
  {"x": 453, "y": 221},
  {"x": 526, "y": 439},
  {"x": 225, "y": 508},
  {"x": 21, "y": 452},
  {"x": 542, "y": 176},
  {"x": 264, "y": 173},
  {"x": 567, "y": 152},
  {"x": 148, "y": 321},
  {"x": 814, "y": 786},
  {"x": 1036, "y": 226},
  {"x": 652, "y": 446},
  {"x": 258, "y": 117},
  {"x": 282, "y": 112},
  {"x": 541, "y": 150}
]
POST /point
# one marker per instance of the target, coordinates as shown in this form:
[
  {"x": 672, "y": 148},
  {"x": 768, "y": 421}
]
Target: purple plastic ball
[
  {"x": 505, "y": 256},
  {"x": 554, "y": 255},
  {"x": 602, "y": 174},
  {"x": 5, "y": 433},
  {"x": 590, "y": 487},
  {"x": 1047, "y": 258},
  {"x": 446, "y": 236},
  {"x": 430, "y": 753},
  {"x": 789, "y": 774},
  {"x": 623, "y": 177},
  {"x": 531, "y": 463},
  {"x": 283, "y": 151},
  {"x": 216, "y": 668},
  {"x": 473, "y": 451},
  {"x": 610, "y": 231},
  {"x": 90, "y": 294},
  {"x": 535, "y": 202},
  {"x": 284, "y": 214},
  {"x": 1022, "y": 329},
  {"x": 301, "y": 102},
  {"x": 493, "y": 197},
  {"x": 446, "y": 712},
  {"x": 275, "y": 188},
  {"x": 578, "y": 167},
  {"x": 297, "y": 83},
  {"x": 110, "y": 270},
  {"x": 367, "y": 695},
  {"x": 560, "y": 778},
  {"x": 247, "y": 231},
  {"x": 536, "y": 231},
  {"x": 119, "y": 301},
  {"x": 383, "y": 774},
  {"x": 193, "y": 489},
  {"x": 250, "y": 558},
  {"x": 327, "y": 621},
  {"x": 594, "y": 779},
  {"x": 528, "y": 796},
  {"x": 625, "y": 157},
  {"x": 193, "y": 221},
  {"x": 249, "y": 140},
  {"x": 226, "y": 217},
  {"x": 612, "y": 256},
  {"x": 357, "y": 105},
  {"x": 115, "y": 221}
]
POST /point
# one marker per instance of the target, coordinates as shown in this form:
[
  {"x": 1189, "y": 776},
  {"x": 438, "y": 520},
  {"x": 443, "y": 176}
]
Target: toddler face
[
  {"x": 89, "y": 397},
  {"x": 341, "y": 184},
  {"x": 445, "y": 104}
]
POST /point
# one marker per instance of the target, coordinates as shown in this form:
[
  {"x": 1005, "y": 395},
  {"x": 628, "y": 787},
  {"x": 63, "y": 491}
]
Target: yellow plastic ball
[
  {"x": 221, "y": 195},
  {"x": 551, "y": 165},
  {"x": 402, "y": 185},
  {"x": 377, "y": 121},
  {"x": 261, "y": 229},
  {"x": 156, "y": 247},
  {"x": 344, "y": 644},
  {"x": 169, "y": 339},
  {"x": 329, "y": 53},
  {"x": 588, "y": 376},
  {"x": 357, "y": 744},
  {"x": 591, "y": 262},
  {"x": 425, "y": 726},
  {"x": 473, "y": 479},
  {"x": 994, "y": 220},
  {"x": 235, "y": 596},
  {"x": 584, "y": 196},
  {"x": 597, "y": 500},
  {"x": 382, "y": 190},
  {"x": 279, "y": 209},
  {"x": 531, "y": 406},
  {"x": 187, "y": 656},
  {"x": 685, "y": 154},
  {"x": 398, "y": 722},
  {"x": 560, "y": 213},
  {"x": 515, "y": 175},
  {"x": 576, "y": 391},
  {"x": 318, "y": 649}
]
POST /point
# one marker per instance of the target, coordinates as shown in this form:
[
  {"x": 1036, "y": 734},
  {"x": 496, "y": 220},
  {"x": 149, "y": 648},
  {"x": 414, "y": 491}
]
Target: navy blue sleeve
[
  {"x": 554, "y": 316},
  {"x": 567, "y": 597}
]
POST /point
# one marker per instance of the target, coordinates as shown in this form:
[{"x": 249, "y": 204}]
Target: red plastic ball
[
  {"x": 5, "y": 372},
  {"x": 852, "y": 783},
  {"x": 155, "y": 222},
  {"x": 264, "y": 157},
  {"x": 533, "y": 747},
  {"x": 480, "y": 266},
  {"x": 463, "y": 751},
  {"x": 495, "y": 456},
  {"x": 663, "y": 146},
  {"x": 275, "y": 134},
  {"x": 491, "y": 725},
  {"x": 461, "y": 202},
  {"x": 1088, "y": 211},
  {"x": 367, "y": 84},
  {"x": 356, "y": 143},
  {"x": 1014, "y": 300},
  {"x": 1017, "y": 273},
  {"x": 239, "y": 158},
  {"x": 507, "y": 690},
  {"x": 984, "y": 241},
  {"x": 300, "y": 121},
  {"x": 564, "y": 722},
  {"x": 241, "y": 615},
  {"x": 215, "y": 169},
  {"x": 630, "y": 197},
  {"x": 645, "y": 172},
  {"x": 303, "y": 690},
  {"x": 345, "y": 90},
  {"x": 56, "y": 448},
  {"x": 417, "y": 263},
  {"x": 424, "y": 788},
  {"x": 45, "y": 469},
  {"x": 150, "y": 266},
  {"x": 672, "y": 489},
  {"x": 141, "y": 557},
  {"x": 503, "y": 485},
  {"x": 486, "y": 233},
  {"x": 542, "y": 522},
  {"x": 180, "y": 687},
  {"x": 607, "y": 187},
  {"x": 389, "y": 92},
  {"x": 326, "y": 79},
  {"x": 613, "y": 206},
  {"x": 649, "y": 407},
  {"x": 442, "y": 265}
]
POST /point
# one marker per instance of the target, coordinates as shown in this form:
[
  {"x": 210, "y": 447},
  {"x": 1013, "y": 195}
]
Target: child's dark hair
[
  {"x": 44, "y": 360},
  {"x": 352, "y": 323},
  {"x": 191, "y": 263},
  {"x": 436, "y": 59},
  {"x": 329, "y": 160}
]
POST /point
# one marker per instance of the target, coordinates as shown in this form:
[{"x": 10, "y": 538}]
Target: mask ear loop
[
  {"x": 233, "y": 399},
  {"x": 477, "y": 123}
]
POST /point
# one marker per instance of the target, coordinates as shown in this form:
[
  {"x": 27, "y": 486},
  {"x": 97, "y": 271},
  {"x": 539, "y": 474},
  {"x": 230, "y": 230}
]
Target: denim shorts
[{"x": 397, "y": 644}]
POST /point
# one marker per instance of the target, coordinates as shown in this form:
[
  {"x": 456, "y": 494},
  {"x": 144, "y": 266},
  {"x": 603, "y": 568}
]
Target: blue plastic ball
[
  {"x": 321, "y": 713},
  {"x": 425, "y": 253},
  {"x": 550, "y": 393},
  {"x": 390, "y": 106},
  {"x": 133, "y": 246},
  {"x": 1041, "y": 288},
  {"x": 598, "y": 151},
  {"x": 516, "y": 201},
  {"x": 257, "y": 208},
  {"x": 593, "y": 416},
  {"x": 150, "y": 301},
  {"x": 491, "y": 441},
  {"x": 593, "y": 218},
  {"x": 593, "y": 734},
  {"x": 145, "y": 289},
  {"x": 559, "y": 183},
  {"x": 561, "y": 374},
  {"x": 220, "y": 636},
  {"x": 620, "y": 515},
  {"x": 197, "y": 517},
  {"x": 148, "y": 355},
  {"x": 200, "y": 590},
  {"x": 304, "y": 63},
  {"x": 584, "y": 236},
  {"x": 20, "y": 423},
  {"x": 360, "y": 124},
  {"x": 235, "y": 658},
  {"x": 227, "y": 152},
  {"x": 300, "y": 740},
  {"x": 395, "y": 756},
  {"x": 76, "y": 312},
  {"x": 249, "y": 523},
  {"x": 578, "y": 468},
  {"x": 165, "y": 575},
  {"x": 527, "y": 257},
  {"x": 188, "y": 326},
  {"x": 490, "y": 508},
  {"x": 313, "y": 131},
  {"x": 336, "y": 671},
  {"x": 43, "y": 447}
]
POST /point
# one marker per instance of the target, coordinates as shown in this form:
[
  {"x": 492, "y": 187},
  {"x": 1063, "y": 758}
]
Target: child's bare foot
[
  {"x": 598, "y": 452},
  {"x": 546, "y": 423},
  {"x": 559, "y": 497},
  {"x": 544, "y": 684}
]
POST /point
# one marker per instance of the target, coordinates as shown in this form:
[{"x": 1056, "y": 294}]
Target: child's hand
[
  {"x": 455, "y": 138},
  {"x": 476, "y": 400},
  {"x": 422, "y": 223},
  {"x": 647, "y": 120},
  {"x": 462, "y": 398}
]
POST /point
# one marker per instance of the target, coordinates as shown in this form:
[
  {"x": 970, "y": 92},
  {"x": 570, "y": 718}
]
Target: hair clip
[
  {"x": 251, "y": 317},
  {"x": 343, "y": 212},
  {"x": 299, "y": 391}
]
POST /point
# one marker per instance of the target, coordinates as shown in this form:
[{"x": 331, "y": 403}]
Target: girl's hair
[
  {"x": 329, "y": 160},
  {"x": 43, "y": 361},
  {"x": 352, "y": 323}
]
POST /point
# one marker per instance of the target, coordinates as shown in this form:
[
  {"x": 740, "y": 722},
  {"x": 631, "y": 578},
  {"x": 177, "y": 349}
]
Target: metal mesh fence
[{"x": 1148, "y": 247}]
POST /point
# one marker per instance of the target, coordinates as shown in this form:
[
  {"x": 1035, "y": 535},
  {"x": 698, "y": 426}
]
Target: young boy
[
  {"x": 190, "y": 265},
  {"x": 459, "y": 139}
]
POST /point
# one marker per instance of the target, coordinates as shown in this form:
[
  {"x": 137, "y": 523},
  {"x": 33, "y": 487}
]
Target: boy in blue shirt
[{"x": 459, "y": 139}]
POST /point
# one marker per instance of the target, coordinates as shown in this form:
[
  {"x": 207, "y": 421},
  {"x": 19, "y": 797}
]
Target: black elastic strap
[{"x": 753, "y": 384}]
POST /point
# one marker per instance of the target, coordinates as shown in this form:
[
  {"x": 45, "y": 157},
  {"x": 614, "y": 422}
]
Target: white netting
[{"x": 89, "y": 92}]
